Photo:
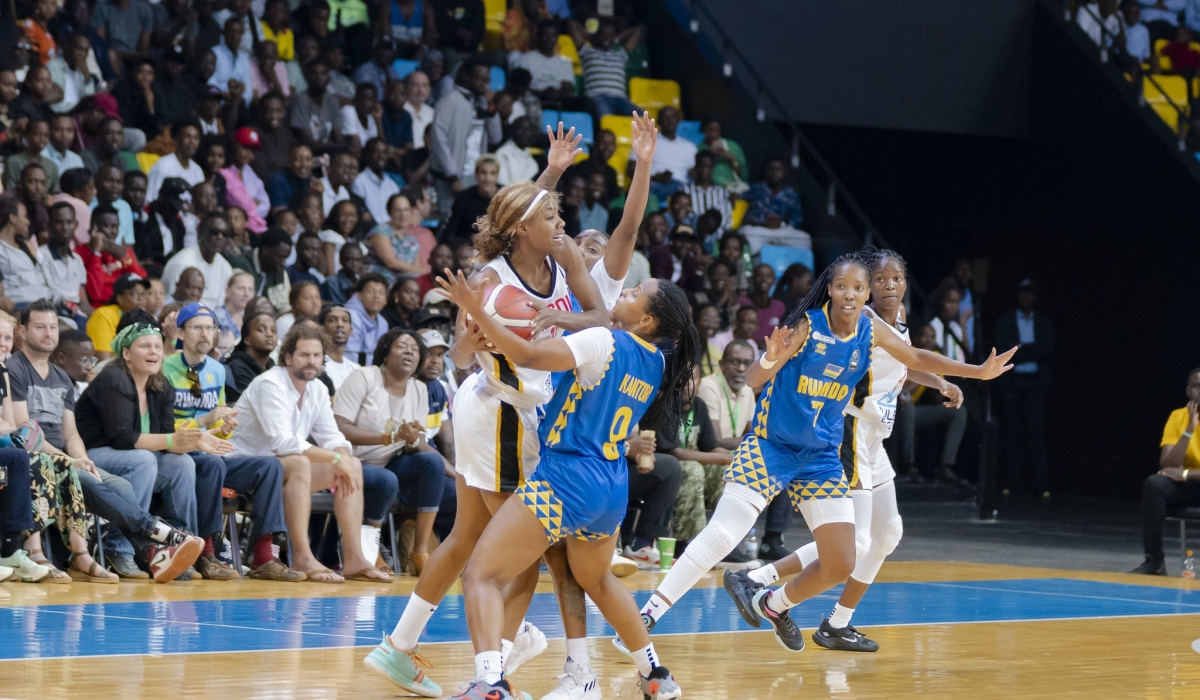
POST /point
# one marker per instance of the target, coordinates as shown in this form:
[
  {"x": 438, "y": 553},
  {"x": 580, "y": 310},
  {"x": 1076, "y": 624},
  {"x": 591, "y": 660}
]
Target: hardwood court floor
[{"x": 946, "y": 630}]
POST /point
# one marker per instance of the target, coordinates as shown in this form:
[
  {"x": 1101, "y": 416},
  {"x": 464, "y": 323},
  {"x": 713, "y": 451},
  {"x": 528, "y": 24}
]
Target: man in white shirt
[
  {"x": 342, "y": 170},
  {"x": 280, "y": 410},
  {"x": 360, "y": 121},
  {"x": 62, "y": 135},
  {"x": 674, "y": 157},
  {"x": 553, "y": 76},
  {"x": 729, "y": 400},
  {"x": 417, "y": 91},
  {"x": 213, "y": 234},
  {"x": 62, "y": 267},
  {"x": 337, "y": 322},
  {"x": 372, "y": 184},
  {"x": 179, "y": 163},
  {"x": 1137, "y": 36},
  {"x": 233, "y": 62},
  {"x": 516, "y": 162}
]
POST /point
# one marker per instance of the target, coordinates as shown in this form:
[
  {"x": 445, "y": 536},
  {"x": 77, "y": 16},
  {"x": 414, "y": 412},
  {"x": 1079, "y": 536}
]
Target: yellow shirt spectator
[
  {"x": 285, "y": 41},
  {"x": 1176, "y": 424},
  {"x": 102, "y": 327}
]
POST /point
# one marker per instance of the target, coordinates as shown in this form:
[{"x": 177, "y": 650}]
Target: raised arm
[
  {"x": 782, "y": 344},
  {"x": 624, "y": 238},
  {"x": 552, "y": 354},
  {"x": 926, "y": 361},
  {"x": 563, "y": 149}
]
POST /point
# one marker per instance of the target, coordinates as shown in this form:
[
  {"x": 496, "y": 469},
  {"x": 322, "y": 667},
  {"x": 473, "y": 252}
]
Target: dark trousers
[
  {"x": 421, "y": 478},
  {"x": 114, "y": 499},
  {"x": 262, "y": 479},
  {"x": 656, "y": 492},
  {"x": 16, "y": 500},
  {"x": 779, "y": 514},
  {"x": 1023, "y": 427},
  {"x": 210, "y": 478},
  {"x": 379, "y": 493},
  {"x": 1159, "y": 492}
]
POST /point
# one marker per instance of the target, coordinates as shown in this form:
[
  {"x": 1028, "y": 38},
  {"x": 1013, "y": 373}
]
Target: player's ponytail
[
  {"x": 680, "y": 345},
  {"x": 819, "y": 294},
  {"x": 508, "y": 207}
]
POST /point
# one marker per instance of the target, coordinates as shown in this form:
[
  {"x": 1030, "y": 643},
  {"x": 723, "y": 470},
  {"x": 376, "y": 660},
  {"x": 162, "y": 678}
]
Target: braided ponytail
[{"x": 681, "y": 348}]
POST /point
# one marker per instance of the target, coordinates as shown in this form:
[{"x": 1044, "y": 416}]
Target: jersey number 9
[{"x": 618, "y": 432}]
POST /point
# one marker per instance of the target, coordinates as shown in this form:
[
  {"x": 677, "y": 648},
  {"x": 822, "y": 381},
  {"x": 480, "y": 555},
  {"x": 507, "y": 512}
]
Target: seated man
[
  {"x": 278, "y": 413},
  {"x": 1176, "y": 484},
  {"x": 774, "y": 216},
  {"x": 199, "y": 383}
]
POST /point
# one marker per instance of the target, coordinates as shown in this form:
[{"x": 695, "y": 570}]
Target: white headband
[{"x": 533, "y": 204}]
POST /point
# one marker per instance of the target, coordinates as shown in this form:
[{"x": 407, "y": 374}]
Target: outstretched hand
[
  {"x": 468, "y": 298},
  {"x": 996, "y": 365},
  {"x": 645, "y": 137},
  {"x": 779, "y": 343},
  {"x": 563, "y": 149}
]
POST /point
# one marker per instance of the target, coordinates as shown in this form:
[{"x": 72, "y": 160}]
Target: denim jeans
[
  {"x": 16, "y": 509},
  {"x": 139, "y": 469},
  {"x": 612, "y": 104},
  {"x": 379, "y": 493},
  {"x": 262, "y": 478},
  {"x": 113, "y": 499},
  {"x": 421, "y": 477}
]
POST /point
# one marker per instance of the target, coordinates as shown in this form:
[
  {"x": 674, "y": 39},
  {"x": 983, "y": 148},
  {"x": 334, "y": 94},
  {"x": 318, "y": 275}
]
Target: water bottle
[
  {"x": 1189, "y": 566},
  {"x": 749, "y": 546}
]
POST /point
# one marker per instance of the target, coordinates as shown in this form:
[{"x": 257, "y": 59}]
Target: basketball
[{"x": 512, "y": 307}]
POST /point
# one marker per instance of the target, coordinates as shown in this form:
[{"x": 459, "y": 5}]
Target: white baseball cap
[{"x": 432, "y": 338}]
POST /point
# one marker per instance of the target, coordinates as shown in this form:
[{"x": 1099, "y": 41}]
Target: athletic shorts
[
  {"x": 577, "y": 496},
  {"x": 495, "y": 443},
  {"x": 807, "y": 473},
  {"x": 865, "y": 463}
]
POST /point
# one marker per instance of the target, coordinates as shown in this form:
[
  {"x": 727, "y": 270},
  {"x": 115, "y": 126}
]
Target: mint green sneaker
[{"x": 400, "y": 667}]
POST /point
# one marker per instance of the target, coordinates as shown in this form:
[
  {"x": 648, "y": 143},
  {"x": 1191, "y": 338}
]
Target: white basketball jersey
[
  {"x": 875, "y": 396},
  {"x": 520, "y": 386}
]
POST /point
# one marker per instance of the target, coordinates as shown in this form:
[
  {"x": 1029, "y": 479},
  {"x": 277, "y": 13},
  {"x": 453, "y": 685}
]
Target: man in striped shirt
[
  {"x": 705, "y": 195},
  {"x": 604, "y": 62}
]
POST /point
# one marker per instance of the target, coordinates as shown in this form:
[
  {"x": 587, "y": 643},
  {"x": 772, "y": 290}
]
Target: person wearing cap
[
  {"x": 128, "y": 292},
  {"x": 336, "y": 321},
  {"x": 434, "y": 317},
  {"x": 107, "y": 148},
  {"x": 163, "y": 230},
  {"x": 243, "y": 187},
  {"x": 199, "y": 384},
  {"x": 206, "y": 257},
  {"x": 1023, "y": 394}
]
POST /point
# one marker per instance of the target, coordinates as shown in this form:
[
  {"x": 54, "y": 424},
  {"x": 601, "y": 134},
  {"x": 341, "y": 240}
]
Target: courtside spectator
[
  {"x": 395, "y": 245},
  {"x": 730, "y": 401},
  {"x": 655, "y": 487},
  {"x": 190, "y": 286},
  {"x": 305, "y": 300},
  {"x": 770, "y": 310},
  {"x": 919, "y": 408},
  {"x": 947, "y": 322},
  {"x": 252, "y": 355},
  {"x": 1025, "y": 390},
  {"x": 238, "y": 293}
]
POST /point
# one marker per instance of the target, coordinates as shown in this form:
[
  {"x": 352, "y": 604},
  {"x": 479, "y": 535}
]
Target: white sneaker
[
  {"x": 6, "y": 573},
  {"x": 25, "y": 570},
  {"x": 529, "y": 643},
  {"x": 579, "y": 682},
  {"x": 646, "y": 557},
  {"x": 622, "y": 567}
]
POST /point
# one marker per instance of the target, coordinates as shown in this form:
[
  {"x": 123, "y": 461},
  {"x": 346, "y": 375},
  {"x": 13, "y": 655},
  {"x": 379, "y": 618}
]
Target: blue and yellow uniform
[
  {"x": 798, "y": 423},
  {"x": 197, "y": 394},
  {"x": 581, "y": 485}
]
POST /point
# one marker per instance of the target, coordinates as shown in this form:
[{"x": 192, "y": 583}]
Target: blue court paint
[{"x": 181, "y": 627}]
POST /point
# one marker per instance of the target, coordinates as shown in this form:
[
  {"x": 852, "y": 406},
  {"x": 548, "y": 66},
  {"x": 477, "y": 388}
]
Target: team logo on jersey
[
  {"x": 832, "y": 371},
  {"x": 820, "y": 349},
  {"x": 824, "y": 338},
  {"x": 854, "y": 361}
]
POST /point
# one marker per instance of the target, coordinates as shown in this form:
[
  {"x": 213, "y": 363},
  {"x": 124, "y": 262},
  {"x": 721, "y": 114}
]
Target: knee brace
[
  {"x": 863, "y": 503},
  {"x": 732, "y": 519},
  {"x": 892, "y": 532}
]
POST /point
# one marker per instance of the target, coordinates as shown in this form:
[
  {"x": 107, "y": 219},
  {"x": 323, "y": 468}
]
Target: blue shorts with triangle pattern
[
  {"x": 560, "y": 520},
  {"x": 768, "y": 468}
]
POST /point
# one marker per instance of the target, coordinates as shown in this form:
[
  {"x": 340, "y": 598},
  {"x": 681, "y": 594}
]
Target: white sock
[
  {"x": 840, "y": 617},
  {"x": 577, "y": 651},
  {"x": 778, "y": 600},
  {"x": 765, "y": 575},
  {"x": 645, "y": 659},
  {"x": 412, "y": 622},
  {"x": 658, "y": 606},
  {"x": 489, "y": 667},
  {"x": 505, "y": 649}
]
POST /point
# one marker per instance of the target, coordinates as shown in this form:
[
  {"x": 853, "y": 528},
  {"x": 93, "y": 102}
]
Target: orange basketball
[{"x": 512, "y": 307}]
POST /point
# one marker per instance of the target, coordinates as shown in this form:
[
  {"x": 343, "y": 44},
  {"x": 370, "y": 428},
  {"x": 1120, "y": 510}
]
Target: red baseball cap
[{"x": 248, "y": 137}]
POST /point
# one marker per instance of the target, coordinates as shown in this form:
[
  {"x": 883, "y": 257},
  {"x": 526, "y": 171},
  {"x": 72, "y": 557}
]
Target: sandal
[
  {"x": 94, "y": 574},
  {"x": 311, "y": 576},
  {"x": 417, "y": 562},
  {"x": 365, "y": 576},
  {"x": 57, "y": 576}
]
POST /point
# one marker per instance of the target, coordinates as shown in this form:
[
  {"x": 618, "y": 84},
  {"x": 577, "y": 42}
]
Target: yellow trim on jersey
[
  {"x": 644, "y": 343},
  {"x": 830, "y": 324}
]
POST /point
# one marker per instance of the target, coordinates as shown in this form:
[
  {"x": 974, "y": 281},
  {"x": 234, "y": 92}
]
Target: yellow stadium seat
[
  {"x": 147, "y": 161},
  {"x": 566, "y": 48},
  {"x": 1169, "y": 88},
  {"x": 1164, "y": 63},
  {"x": 622, "y": 128},
  {"x": 652, "y": 95},
  {"x": 493, "y": 33},
  {"x": 618, "y": 162},
  {"x": 739, "y": 211}
]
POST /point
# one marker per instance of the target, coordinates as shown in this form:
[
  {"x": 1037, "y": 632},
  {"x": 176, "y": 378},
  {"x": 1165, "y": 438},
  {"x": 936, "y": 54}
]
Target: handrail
[{"x": 869, "y": 234}]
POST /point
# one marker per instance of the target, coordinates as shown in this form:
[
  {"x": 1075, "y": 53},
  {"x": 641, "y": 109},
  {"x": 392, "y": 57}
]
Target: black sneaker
[
  {"x": 659, "y": 685},
  {"x": 772, "y": 551},
  {"x": 845, "y": 639},
  {"x": 742, "y": 588},
  {"x": 1152, "y": 567},
  {"x": 786, "y": 632}
]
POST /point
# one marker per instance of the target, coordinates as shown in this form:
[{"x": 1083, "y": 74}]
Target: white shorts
[
  {"x": 864, "y": 460},
  {"x": 495, "y": 443}
]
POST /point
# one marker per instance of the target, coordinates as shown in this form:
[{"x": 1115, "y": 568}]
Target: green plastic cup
[{"x": 666, "y": 553}]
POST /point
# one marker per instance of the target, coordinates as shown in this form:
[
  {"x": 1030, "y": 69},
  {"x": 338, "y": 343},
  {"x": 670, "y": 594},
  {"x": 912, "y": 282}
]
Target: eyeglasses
[
  {"x": 194, "y": 377},
  {"x": 737, "y": 363},
  {"x": 88, "y": 362},
  {"x": 202, "y": 329}
]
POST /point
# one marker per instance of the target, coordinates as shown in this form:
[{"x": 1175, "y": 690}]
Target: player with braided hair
[{"x": 810, "y": 368}]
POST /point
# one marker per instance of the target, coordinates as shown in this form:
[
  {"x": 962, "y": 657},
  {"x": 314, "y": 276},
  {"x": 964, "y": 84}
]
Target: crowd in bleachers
[{"x": 254, "y": 190}]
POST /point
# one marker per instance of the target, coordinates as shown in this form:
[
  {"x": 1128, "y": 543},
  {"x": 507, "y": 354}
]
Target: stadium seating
[
  {"x": 1164, "y": 93},
  {"x": 498, "y": 79},
  {"x": 622, "y": 128},
  {"x": 403, "y": 67},
  {"x": 780, "y": 257},
  {"x": 690, "y": 130},
  {"x": 653, "y": 95},
  {"x": 493, "y": 33},
  {"x": 582, "y": 121},
  {"x": 566, "y": 47}
]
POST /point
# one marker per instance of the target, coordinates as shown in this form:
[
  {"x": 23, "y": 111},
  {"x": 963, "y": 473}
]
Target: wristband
[
  {"x": 1188, "y": 435},
  {"x": 387, "y": 438},
  {"x": 337, "y": 457},
  {"x": 765, "y": 363},
  {"x": 170, "y": 440}
]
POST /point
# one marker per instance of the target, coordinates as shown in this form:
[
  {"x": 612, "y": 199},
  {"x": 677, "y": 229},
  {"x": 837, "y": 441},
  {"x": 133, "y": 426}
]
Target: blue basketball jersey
[
  {"x": 592, "y": 417},
  {"x": 802, "y": 406}
]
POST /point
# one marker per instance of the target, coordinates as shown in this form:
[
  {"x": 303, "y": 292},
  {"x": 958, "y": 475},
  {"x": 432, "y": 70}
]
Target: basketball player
[
  {"x": 579, "y": 491},
  {"x": 868, "y": 422},
  {"x": 826, "y": 349},
  {"x": 522, "y": 242}
]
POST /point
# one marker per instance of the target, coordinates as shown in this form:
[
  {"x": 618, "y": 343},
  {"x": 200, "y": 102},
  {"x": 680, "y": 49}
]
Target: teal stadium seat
[
  {"x": 780, "y": 257},
  {"x": 582, "y": 121},
  {"x": 499, "y": 79},
  {"x": 690, "y": 130},
  {"x": 403, "y": 67}
]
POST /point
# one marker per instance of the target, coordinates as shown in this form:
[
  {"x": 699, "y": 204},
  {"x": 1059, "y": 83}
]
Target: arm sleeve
[
  {"x": 349, "y": 397},
  {"x": 592, "y": 348},
  {"x": 707, "y": 441}
]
